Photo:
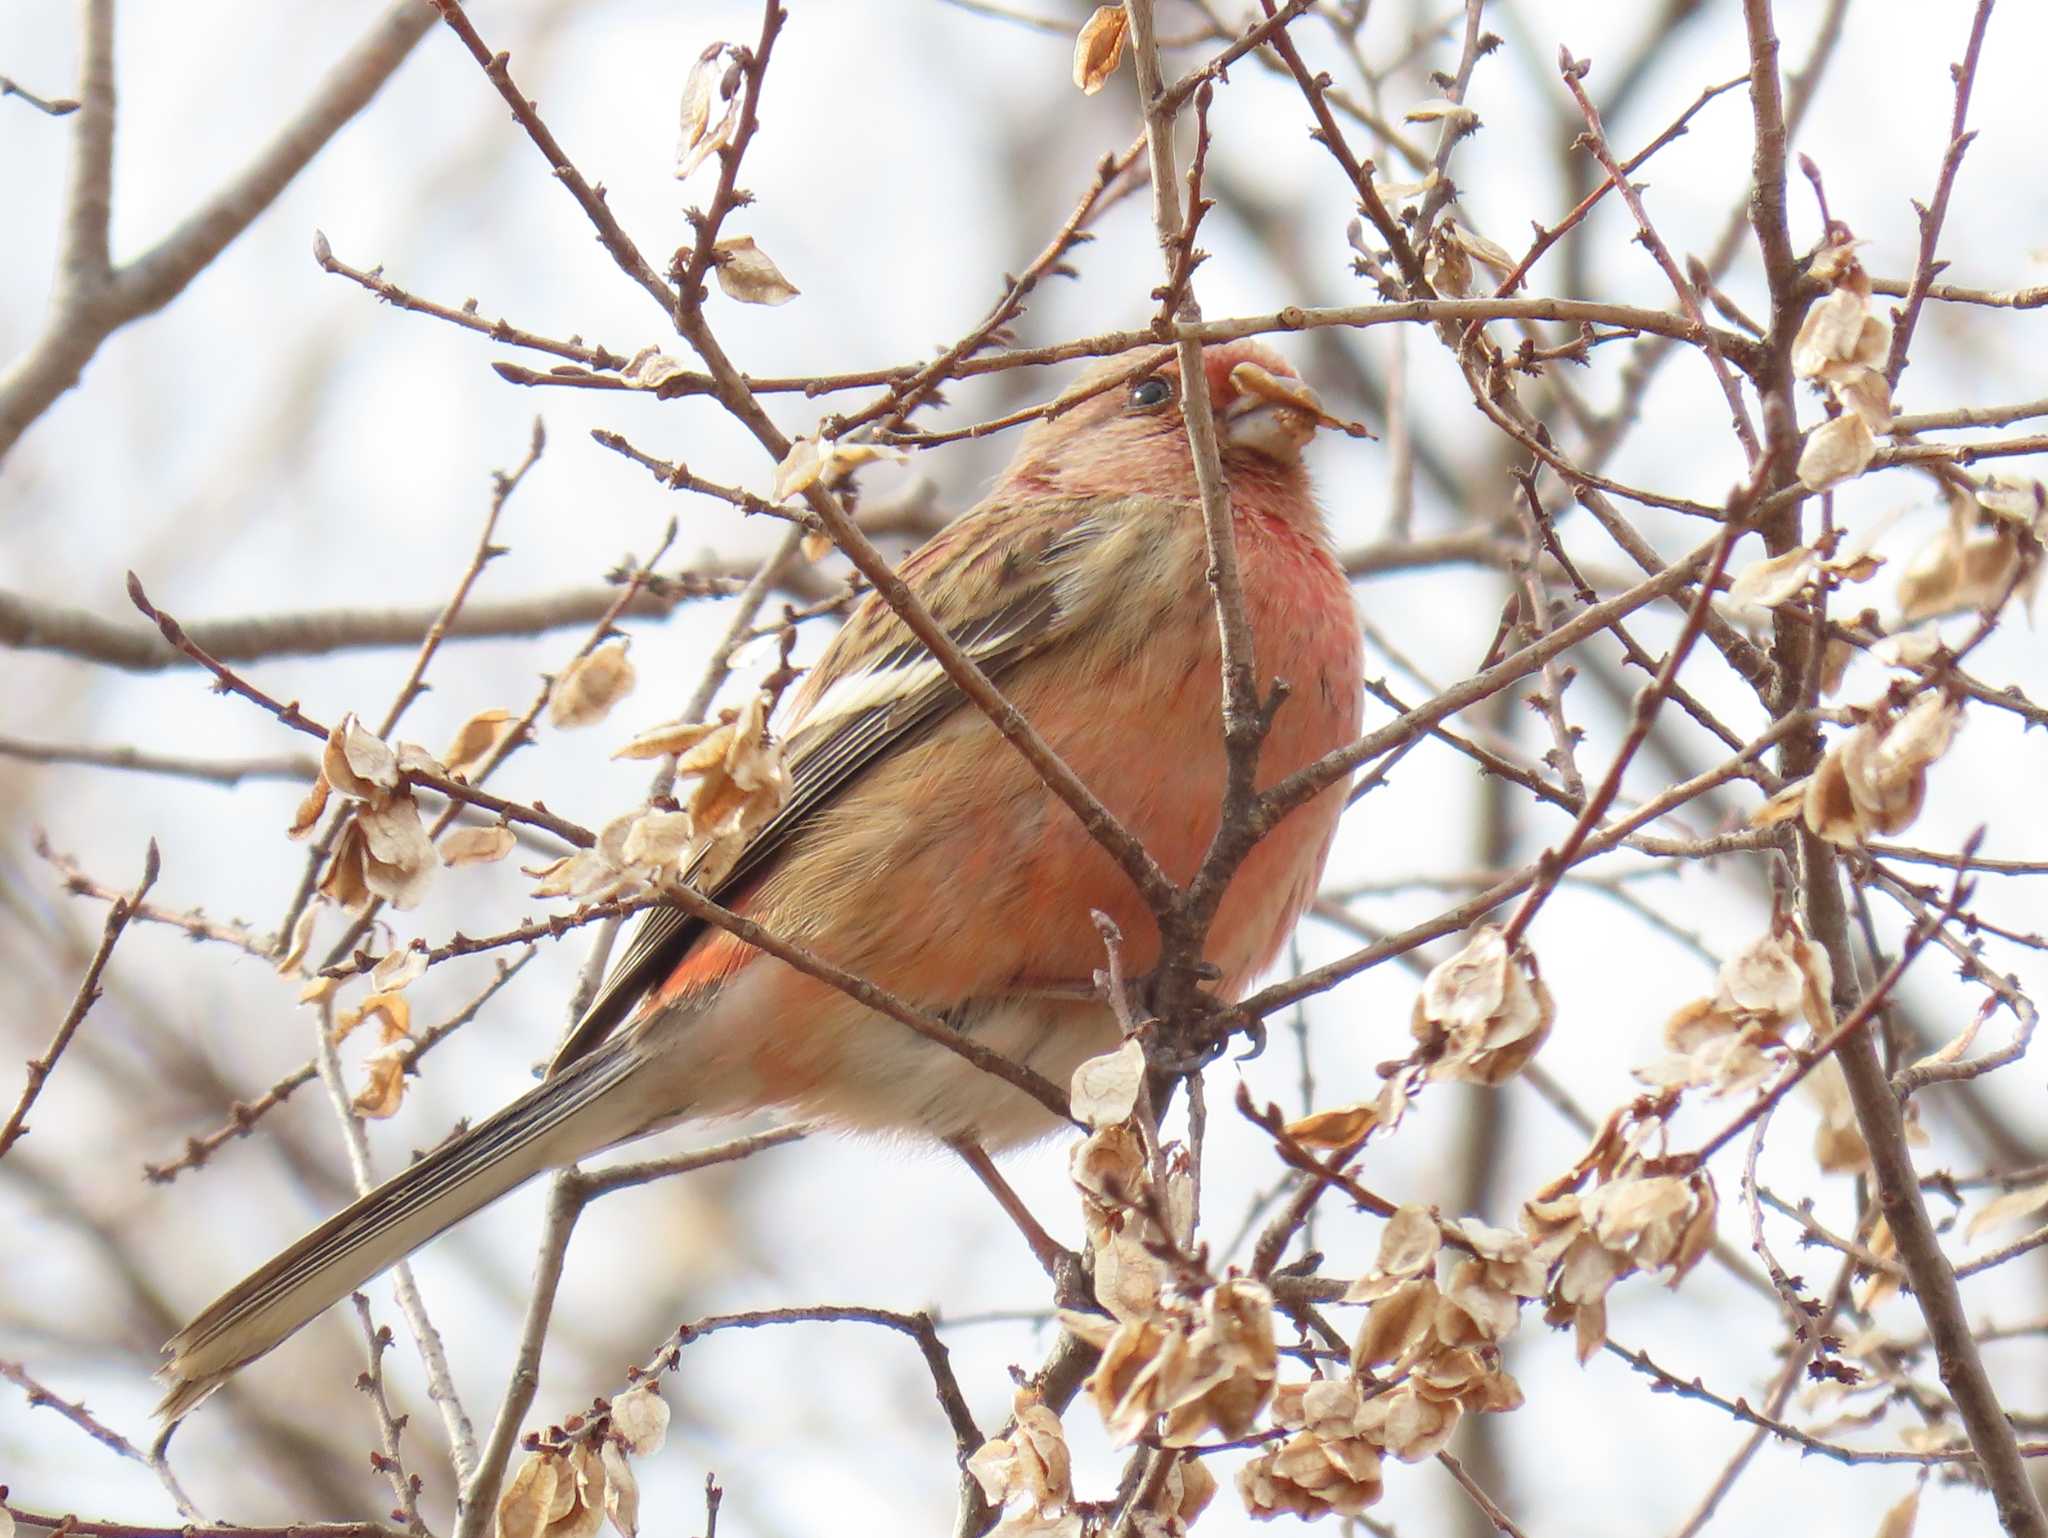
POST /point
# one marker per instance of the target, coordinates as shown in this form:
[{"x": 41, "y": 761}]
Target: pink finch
[{"x": 921, "y": 851}]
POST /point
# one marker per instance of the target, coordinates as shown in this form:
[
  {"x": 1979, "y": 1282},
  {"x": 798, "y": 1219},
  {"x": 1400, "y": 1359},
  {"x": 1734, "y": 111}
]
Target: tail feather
[{"x": 558, "y": 1122}]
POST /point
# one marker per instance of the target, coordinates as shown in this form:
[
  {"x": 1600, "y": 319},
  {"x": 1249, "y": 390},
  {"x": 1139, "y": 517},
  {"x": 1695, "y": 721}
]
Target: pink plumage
[{"x": 920, "y": 850}]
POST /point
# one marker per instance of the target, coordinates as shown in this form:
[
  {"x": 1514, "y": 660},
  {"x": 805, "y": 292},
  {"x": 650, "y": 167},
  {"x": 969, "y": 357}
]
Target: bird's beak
[{"x": 1272, "y": 415}]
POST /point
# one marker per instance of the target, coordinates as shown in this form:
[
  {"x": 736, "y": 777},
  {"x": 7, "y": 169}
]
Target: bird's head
[{"x": 1131, "y": 437}]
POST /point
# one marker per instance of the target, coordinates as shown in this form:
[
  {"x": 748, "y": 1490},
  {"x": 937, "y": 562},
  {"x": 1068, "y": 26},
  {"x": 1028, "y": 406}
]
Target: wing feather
[{"x": 875, "y": 689}]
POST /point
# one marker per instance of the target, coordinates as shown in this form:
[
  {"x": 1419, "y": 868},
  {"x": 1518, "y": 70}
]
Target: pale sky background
[{"x": 278, "y": 441}]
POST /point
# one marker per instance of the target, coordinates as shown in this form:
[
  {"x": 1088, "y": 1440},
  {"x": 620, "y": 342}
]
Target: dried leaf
[
  {"x": 1932, "y": 582},
  {"x": 1909, "y": 648},
  {"x": 650, "y": 369},
  {"x": 1836, "y": 451},
  {"x": 1875, "y": 1287},
  {"x": 621, "y": 1491},
  {"x": 1410, "y": 1424},
  {"x": 1830, "y": 333},
  {"x": 399, "y": 860},
  {"x": 1402, "y": 192},
  {"x": 745, "y": 273},
  {"x": 1785, "y": 805},
  {"x": 671, "y": 737},
  {"x": 753, "y": 758},
  {"x": 1447, "y": 266},
  {"x": 477, "y": 846},
  {"x": 798, "y": 470},
  {"x": 2020, "y": 501},
  {"x": 640, "y": 1416},
  {"x": 1029, "y": 1475},
  {"x": 810, "y": 462},
  {"x": 1409, "y": 1242},
  {"x": 1862, "y": 392},
  {"x": 529, "y": 1496},
  {"x": 701, "y": 136},
  {"x": 475, "y": 740},
  {"x": 1441, "y": 109},
  {"x": 658, "y": 841},
  {"x": 1763, "y": 585},
  {"x": 310, "y": 808},
  {"x": 357, "y": 763},
  {"x": 1099, "y": 48},
  {"x": 1334, "y": 1129},
  {"x": 2023, "y": 1203},
  {"x": 400, "y": 969},
  {"x": 394, "y": 1009},
  {"x": 1838, "y": 1145},
  {"x": 343, "y": 883},
  {"x": 1105, "y": 1089},
  {"x": 1396, "y": 1322},
  {"x": 1482, "y": 250},
  {"x": 585, "y": 1485},
  {"x": 294, "y": 958},
  {"x": 414, "y": 759},
  {"x": 1829, "y": 808},
  {"x": 1489, "y": 1006},
  {"x": 1898, "y": 1521},
  {"x": 384, "y": 1090},
  {"x": 1589, "y": 1330},
  {"x": 590, "y": 686}
]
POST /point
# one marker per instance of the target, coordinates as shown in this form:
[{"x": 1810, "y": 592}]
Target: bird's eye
[{"x": 1147, "y": 394}]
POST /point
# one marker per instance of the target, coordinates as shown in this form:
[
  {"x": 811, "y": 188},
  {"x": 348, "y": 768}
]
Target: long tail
[{"x": 558, "y": 1122}]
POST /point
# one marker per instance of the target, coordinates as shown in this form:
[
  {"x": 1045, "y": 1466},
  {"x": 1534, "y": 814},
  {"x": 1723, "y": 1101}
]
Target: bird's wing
[{"x": 877, "y": 687}]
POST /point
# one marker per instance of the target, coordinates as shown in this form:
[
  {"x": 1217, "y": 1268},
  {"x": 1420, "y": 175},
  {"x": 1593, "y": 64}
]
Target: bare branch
[
  {"x": 95, "y": 300},
  {"x": 39, "y": 1068}
]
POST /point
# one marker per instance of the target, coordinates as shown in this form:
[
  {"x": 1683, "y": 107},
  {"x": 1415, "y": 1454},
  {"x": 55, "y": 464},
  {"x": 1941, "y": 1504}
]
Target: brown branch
[
  {"x": 1878, "y": 1115},
  {"x": 1549, "y": 235},
  {"x": 1641, "y": 717},
  {"x": 894, "y": 407},
  {"x": 290, "y": 715},
  {"x": 30, "y": 625},
  {"x": 1451, "y": 921},
  {"x": 677, "y": 477},
  {"x": 1949, "y": 293},
  {"x": 194, "y": 922},
  {"x": 93, "y": 299},
  {"x": 1300, "y": 787},
  {"x": 466, "y": 317},
  {"x": 1247, "y": 716},
  {"x": 689, "y": 274},
  {"x": 243, "y": 1115},
  {"x": 426, "y": 1338},
  {"x": 1926, "y": 268},
  {"x": 1574, "y": 72},
  {"x": 39, "y": 1068},
  {"x": 36, "y": 1523},
  {"x": 569, "y": 1193},
  {"x": 502, "y": 487},
  {"x": 405, "y": 1488},
  {"x": 40, "y": 1397},
  {"x": 1670, "y": 1383},
  {"x": 55, "y": 106},
  {"x": 553, "y": 927},
  {"x": 920, "y": 1327},
  {"x": 217, "y": 771},
  {"x": 590, "y": 199}
]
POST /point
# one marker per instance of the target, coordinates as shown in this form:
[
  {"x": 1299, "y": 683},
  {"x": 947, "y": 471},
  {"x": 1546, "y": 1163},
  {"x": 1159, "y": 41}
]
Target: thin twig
[{"x": 39, "y": 1068}]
